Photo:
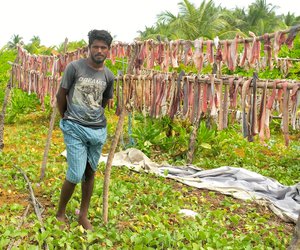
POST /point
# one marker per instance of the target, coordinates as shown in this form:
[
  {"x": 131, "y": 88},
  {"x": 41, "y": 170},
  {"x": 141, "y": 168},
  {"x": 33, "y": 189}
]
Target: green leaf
[{"x": 205, "y": 145}]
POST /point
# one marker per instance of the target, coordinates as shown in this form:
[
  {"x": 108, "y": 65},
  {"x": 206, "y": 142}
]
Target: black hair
[{"x": 102, "y": 35}]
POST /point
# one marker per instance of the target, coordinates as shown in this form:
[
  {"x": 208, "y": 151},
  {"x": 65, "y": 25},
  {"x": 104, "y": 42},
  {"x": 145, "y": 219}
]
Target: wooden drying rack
[{"x": 206, "y": 79}]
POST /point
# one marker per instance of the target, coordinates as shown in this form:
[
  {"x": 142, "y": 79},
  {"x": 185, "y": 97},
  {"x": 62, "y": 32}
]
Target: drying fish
[{"x": 198, "y": 54}]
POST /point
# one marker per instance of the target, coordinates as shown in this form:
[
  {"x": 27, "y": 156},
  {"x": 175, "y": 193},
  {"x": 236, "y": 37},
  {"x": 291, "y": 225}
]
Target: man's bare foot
[
  {"x": 63, "y": 221},
  {"x": 62, "y": 218},
  {"x": 85, "y": 223}
]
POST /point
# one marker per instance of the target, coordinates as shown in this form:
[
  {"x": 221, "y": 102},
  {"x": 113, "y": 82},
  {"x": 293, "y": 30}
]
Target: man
[{"x": 85, "y": 89}]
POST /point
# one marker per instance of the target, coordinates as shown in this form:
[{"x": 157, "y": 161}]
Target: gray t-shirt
[{"x": 86, "y": 89}]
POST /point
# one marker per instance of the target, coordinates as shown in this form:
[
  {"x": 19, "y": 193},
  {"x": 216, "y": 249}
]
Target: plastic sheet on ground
[{"x": 240, "y": 183}]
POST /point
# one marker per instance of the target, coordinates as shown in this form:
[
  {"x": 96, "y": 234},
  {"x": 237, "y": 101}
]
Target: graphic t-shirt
[{"x": 86, "y": 89}]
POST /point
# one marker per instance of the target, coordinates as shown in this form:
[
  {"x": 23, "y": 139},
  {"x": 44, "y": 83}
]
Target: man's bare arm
[
  {"x": 61, "y": 98},
  {"x": 107, "y": 102}
]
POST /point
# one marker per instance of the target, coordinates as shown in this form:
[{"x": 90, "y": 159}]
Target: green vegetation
[
  {"x": 144, "y": 208},
  {"x": 208, "y": 21}
]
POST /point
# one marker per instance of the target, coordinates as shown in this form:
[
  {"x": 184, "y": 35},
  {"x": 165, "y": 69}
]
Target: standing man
[{"x": 85, "y": 89}]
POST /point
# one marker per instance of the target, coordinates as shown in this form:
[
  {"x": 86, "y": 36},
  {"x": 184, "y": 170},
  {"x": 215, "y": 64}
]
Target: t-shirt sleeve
[
  {"x": 109, "y": 91},
  {"x": 68, "y": 76}
]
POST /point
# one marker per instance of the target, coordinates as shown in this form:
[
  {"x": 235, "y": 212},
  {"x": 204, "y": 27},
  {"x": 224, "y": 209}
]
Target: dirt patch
[{"x": 11, "y": 196}]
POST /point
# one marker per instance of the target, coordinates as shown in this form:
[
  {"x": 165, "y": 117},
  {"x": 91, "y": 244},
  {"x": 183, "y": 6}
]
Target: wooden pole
[
  {"x": 192, "y": 141},
  {"x": 190, "y": 154},
  {"x": 51, "y": 126},
  {"x": 113, "y": 147},
  {"x": 110, "y": 158},
  {"x": 48, "y": 142},
  {"x": 260, "y": 83},
  {"x": 3, "y": 112},
  {"x": 4, "y": 106}
]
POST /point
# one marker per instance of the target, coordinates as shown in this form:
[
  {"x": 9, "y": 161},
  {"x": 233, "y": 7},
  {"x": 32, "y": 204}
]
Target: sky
[{"x": 55, "y": 20}]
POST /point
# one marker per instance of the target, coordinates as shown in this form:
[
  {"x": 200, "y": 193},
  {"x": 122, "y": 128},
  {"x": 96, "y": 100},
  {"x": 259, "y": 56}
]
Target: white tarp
[{"x": 240, "y": 183}]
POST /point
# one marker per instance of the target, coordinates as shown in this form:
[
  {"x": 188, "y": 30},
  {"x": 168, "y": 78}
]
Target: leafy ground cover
[{"x": 143, "y": 209}]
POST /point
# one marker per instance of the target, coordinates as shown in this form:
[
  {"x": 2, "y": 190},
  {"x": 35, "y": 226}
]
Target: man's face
[{"x": 98, "y": 51}]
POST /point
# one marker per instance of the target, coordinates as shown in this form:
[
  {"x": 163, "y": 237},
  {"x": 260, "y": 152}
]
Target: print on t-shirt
[{"x": 88, "y": 92}]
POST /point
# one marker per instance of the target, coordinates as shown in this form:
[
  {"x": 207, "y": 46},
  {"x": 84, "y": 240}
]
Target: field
[{"x": 143, "y": 208}]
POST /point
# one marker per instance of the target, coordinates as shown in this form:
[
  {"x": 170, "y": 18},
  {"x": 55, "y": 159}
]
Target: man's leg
[
  {"x": 65, "y": 195},
  {"x": 87, "y": 189}
]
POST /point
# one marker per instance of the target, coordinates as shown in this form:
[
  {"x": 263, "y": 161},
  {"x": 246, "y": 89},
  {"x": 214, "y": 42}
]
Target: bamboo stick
[
  {"x": 3, "y": 112},
  {"x": 51, "y": 126},
  {"x": 192, "y": 141},
  {"x": 261, "y": 38},
  {"x": 113, "y": 147},
  {"x": 4, "y": 106},
  {"x": 204, "y": 79}
]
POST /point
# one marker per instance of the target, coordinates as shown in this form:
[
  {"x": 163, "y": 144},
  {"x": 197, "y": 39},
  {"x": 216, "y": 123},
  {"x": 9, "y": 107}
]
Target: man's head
[
  {"x": 102, "y": 35},
  {"x": 99, "y": 45}
]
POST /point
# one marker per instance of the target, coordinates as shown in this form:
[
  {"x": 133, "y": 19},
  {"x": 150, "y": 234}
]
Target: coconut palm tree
[
  {"x": 290, "y": 19},
  {"x": 71, "y": 46},
  {"x": 76, "y": 44},
  {"x": 236, "y": 23},
  {"x": 159, "y": 31},
  {"x": 261, "y": 18},
  {"x": 192, "y": 22},
  {"x": 36, "y": 40},
  {"x": 15, "y": 40},
  {"x": 34, "y": 46}
]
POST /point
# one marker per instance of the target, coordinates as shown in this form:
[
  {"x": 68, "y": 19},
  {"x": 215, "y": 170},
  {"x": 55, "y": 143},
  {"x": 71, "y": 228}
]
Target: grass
[{"x": 143, "y": 208}]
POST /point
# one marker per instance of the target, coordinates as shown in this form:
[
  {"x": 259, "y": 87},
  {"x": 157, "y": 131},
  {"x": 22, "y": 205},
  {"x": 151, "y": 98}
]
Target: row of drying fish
[
  {"x": 32, "y": 81},
  {"x": 48, "y": 65},
  {"x": 199, "y": 51},
  {"x": 182, "y": 96},
  {"x": 243, "y": 52},
  {"x": 187, "y": 97}
]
